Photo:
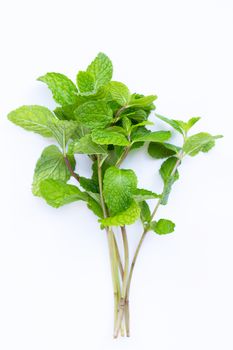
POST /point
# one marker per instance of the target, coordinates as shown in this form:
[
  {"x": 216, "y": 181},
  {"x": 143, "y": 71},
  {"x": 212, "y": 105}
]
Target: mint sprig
[{"x": 100, "y": 118}]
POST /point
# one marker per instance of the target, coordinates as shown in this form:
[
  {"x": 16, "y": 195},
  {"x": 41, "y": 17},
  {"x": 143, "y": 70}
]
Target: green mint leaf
[
  {"x": 166, "y": 172},
  {"x": 201, "y": 142},
  {"x": 127, "y": 217},
  {"x": 65, "y": 112},
  {"x": 156, "y": 136},
  {"x": 191, "y": 122},
  {"x": 138, "y": 115},
  {"x": 89, "y": 185},
  {"x": 51, "y": 164},
  {"x": 95, "y": 207},
  {"x": 118, "y": 189},
  {"x": 144, "y": 123},
  {"x": 58, "y": 193},
  {"x": 145, "y": 214},
  {"x": 159, "y": 150},
  {"x": 163, "y": 226},
  {"x": 63, "y": 130},
  {"x": 119, "y": 92},
  {"x": 33, "y": 118},
  {"x": 108, "y": 137},
  {"x": 94, "y": 114},
  {"x": 127, "y": 125},
  {"x": 86, "y": 83},
  {"x": 142, "y": 101},
  {"x": 173, "y": 123},
  {"x": 140, "y": 194},
  {"x": 101, "y": 69},
  {"x": 86, "y": 145},
  {"x": 63, "y": 89}
]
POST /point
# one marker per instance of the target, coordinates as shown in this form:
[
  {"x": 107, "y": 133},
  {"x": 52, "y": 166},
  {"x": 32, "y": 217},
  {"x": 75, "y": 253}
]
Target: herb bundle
[{"x": 103, "y": 120}]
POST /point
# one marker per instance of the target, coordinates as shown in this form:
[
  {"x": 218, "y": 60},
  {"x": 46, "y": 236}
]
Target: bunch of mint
[{"x": 103, "y": 120}]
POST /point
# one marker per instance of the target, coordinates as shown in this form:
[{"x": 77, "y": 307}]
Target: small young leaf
[
  {"x": 173, "y": 123},
  {"x": 140, "y": 194},
  {"x": 51, "y": 164},
  {"x": 86, "y": 145},
  {"x": 162, "y": 227},
  {"x": 101, "y": 69},
  {"x": 118, "y": 189},
  {"x": 95, "y": 207},
  {"x": 58, "y": 193},
  {"x": 159, "y": 150},
  {"x": 166, "y": 172},
  {"x": 142, "y": 101},
  {"x": 145, "y": 213},
  {"x": 118, "y": 92},
  {"x": 201, "y": 142},
  {"x": 94, "y": 114},
  {"x": 86, "y": 83},
  {"x": 191, "y": 122},
  {"x": 108, "y": 137},
  {"x": 127, "y": 217},
  {"x": 156, "y": 136},
  {"x": 63, "y": 89},
  {"x": 88, "y": 184},
  {"x": 33, "y": 118}
]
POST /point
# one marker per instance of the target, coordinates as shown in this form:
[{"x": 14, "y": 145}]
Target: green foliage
[
  {"x": 57, "y": 193},
  {"x": 156, "y": 136},
  {"x": 162, "y": 227},
  {"x": 140, "y": 194},
  {"x": 101, "y": 69},
  {"x": 63, "y": 130},
  {"x": 145, "y": 214},
  {"x": 119, "y": 92},
  {"x": 169, "y": 177},
  {"x": 101, "y": 120},
  {"x": 108, "y": 137},
  {"x": 159, "y": 150},
  {"x": 33, "y": 118},
  {"x": 126, "y": 217},
  {"x": 94, "y": 114},
  {"x": 86, "y": 145},
  {"x": 63, "y": 89},
  {"x": 201, "y": 142},
  {"x": 51, "y": 164},
  {"x": 119, "y": 186},
  {"x": 86, "y": 83},
  {"x": 142, "y": 101}
]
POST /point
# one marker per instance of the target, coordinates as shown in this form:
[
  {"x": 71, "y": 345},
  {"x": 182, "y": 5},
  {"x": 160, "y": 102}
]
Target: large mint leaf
[
  {"x": 94, "y": 114},
  {"x": 163, "y": 226},
  {"x": 51, "y": 164},
  {"x": 58, "y": 193},
  {"x": 127, "y": 217},
  {"x": 63, "y": 89},
  {"x": 118, "y": 189},
  {"x": 201, "y": 142},
  {"x": 166, "y": 172},
  {"x": 156, "y": 136},
  {"x": 86, "y": 145},
  {"x": 33, "y": 118},
  {"x": 86, "y": 83},
  {"x": 118, "y": 92},
  {"x": 101, "y": 69},
  {"x": 108, "y": 137}
]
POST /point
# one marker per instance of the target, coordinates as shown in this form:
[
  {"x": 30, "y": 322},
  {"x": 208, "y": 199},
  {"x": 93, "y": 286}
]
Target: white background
[{"x": 55, "y": 283}]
